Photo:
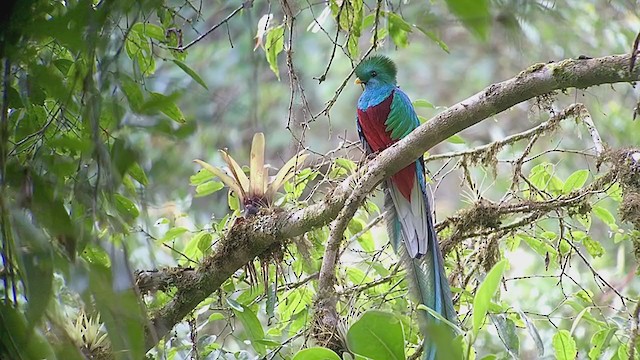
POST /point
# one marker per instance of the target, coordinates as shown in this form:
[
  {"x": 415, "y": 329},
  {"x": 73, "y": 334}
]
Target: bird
[{"x": 384, "y": 116}]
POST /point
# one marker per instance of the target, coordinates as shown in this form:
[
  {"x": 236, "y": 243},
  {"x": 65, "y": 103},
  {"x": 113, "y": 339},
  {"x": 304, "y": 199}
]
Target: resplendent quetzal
[{"x": 385, "y": 115}]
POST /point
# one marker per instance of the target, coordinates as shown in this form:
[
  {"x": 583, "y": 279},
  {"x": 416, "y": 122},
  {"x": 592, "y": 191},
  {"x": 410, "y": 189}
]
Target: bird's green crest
[{"x": 378, "y": 66}]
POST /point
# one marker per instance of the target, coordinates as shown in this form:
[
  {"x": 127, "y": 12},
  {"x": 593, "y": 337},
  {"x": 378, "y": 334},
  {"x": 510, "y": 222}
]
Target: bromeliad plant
[{"x": 257, "y": 190}]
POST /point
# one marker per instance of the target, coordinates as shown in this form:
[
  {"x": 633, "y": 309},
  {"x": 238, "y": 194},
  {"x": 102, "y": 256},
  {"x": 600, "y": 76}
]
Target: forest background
[{"x": 116, "y": 244}]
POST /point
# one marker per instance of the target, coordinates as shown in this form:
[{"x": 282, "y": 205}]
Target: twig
[
  {"x": 373, "y": 46},
  {"x": 323, "y": 77},
  {"x": 247, "y": 4},
  {"x": 572, "y": 110}
]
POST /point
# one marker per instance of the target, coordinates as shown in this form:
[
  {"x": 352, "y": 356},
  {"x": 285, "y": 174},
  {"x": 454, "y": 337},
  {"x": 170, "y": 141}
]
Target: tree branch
[{"x": 249, "y": 238}]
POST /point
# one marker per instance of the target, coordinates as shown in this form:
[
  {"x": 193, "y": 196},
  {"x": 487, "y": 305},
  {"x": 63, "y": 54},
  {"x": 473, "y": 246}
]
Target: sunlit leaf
[
  {"x": 208, "y": 188},
  {"x": 126, "y": 207},
  {"x": 605, "y": 215},
  {"x": 274, "y": 46},
  {"x": 399, "y": 29},
  {"x": 564, "y": 346},
  {"x": 594, "y": 248},
  {"x": 377, "y": 335},
  {"x": 485, "y": 292},
  {"x": 600, "y": 341},
  {"x": 423, "y": 103},
  {"x": 575, "y": 181},
  {"x": 173, "y": 233},
  {"x": 456, "y": 139}
]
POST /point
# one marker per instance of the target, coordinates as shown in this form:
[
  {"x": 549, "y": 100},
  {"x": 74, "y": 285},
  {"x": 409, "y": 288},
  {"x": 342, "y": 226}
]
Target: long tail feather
[{"x": 425, "y": 269}]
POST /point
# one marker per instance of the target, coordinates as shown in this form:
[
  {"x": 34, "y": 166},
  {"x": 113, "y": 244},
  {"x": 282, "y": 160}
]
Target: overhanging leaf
[
  {"x": 377, "y": 335},
  {"x": 252, "y": 327},
  {"x": 166, "y": 105},
  {"x": 474, "y": 14},
  {"x": 194, "y": 75},
  {"x": 485, "y": 292}
]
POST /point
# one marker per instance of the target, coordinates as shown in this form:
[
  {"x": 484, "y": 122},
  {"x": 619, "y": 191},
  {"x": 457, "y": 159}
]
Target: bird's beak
[{"x": 359, "y": 82}]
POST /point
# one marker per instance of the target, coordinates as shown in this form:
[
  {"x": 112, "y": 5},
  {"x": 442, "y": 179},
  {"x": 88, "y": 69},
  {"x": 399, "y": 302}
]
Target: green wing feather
[{"x": 402, "y": 118}]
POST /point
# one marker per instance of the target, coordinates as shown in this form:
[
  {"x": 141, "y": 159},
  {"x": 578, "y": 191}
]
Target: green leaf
[
  {"x": 533, "y": 332},
  {"x": 423, "y": 103},
  {"x": 196, "y": 245},
  {"x": 216, "y": 316},
  {"x": 485, "y": 292},
  {"x": 166, "y": 105},
  {"x": 119, "y": 309},
  {"x": 575, "y": 181},
  {"x": 366, "y": 242},
  {"x": 615, "y": 192},
  {"x": 316, "y": 353},
  {"x": 201, "y": 177},
  {"x": 20, "y": 341},
  {"x": 274, "y": 46},
  {"x": 398, "y": 30},
  {"x": 150, "y": 30},
  {"x": 234, "y": 305},
  {"x": 456, "y": 139},
  {"x": 173, "y": 233},
  {"x": 252, "y": 327},
  {"x": 474, "y": 14},
  {"x": 208, "y": 188},
  {"x": 507, "y": 333},
  {"x": 137, "y": 172},
  {"x": 204, "y": 243},
  {"x": 431, "y": 35},
  {"x": 564, "y": 346},
  {"x": 600, "y": 341},
  {"x": 132, "y": 92},
  {"x": 126, "y": 207},
  {"x": 377, "y": 335},
  {"x": 606, "y": 216},
  {"x": 594, "y": 248},
  {"x": 622, "y": 353},
  {"x": 194, "y": 75},
  {"x": 542, "y": 247},
  {"x": 36, "y": 265}
]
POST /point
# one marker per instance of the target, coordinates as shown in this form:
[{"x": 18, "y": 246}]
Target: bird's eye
[{"x": 374, "y": 74}]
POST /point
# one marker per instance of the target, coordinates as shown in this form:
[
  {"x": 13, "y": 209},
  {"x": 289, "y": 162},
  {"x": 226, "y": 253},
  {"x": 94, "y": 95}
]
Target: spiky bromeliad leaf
[
  {"x": 256, "y": 166},
  {"x": 226, "y": 179},
  {"x": 257, "y": 188},
  {"x": 286, "y": 172},
  {"x": 236, "y": 171}
]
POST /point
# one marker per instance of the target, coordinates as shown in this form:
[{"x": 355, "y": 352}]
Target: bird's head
[{"x": 375, "y": 71}]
